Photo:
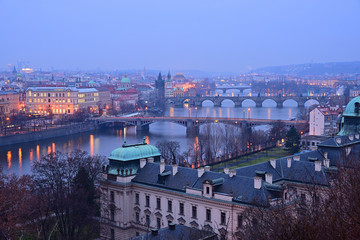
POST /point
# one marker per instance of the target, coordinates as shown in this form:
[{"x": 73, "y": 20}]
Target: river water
[{"x": 20, "y": 157}]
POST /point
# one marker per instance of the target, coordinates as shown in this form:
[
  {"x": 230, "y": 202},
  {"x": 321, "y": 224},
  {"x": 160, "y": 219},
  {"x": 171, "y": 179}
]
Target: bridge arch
[
  {"x": 290, "y": 103},
  {"x": 207, "y": 103},
  {"x": 269, "y": 103},
  {"x": 188, "y": 102},
  {"x": 248, "y": 103},
  {"x": 227, "y": 103},
  {"x": 310, "y": 102}
]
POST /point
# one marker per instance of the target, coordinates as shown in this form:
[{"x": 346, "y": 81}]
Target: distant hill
[{"x": 334, "y": 68}]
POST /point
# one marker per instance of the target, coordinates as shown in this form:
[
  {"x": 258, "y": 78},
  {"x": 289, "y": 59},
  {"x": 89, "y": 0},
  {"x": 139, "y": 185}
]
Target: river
[{"x": 20, "y": 157}]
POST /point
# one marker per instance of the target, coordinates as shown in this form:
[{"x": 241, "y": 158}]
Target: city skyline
[{"x": 231, "y": 36}]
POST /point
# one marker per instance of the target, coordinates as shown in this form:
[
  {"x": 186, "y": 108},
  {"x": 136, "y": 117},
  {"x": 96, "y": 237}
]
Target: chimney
[
  {"x": 151, "y": 160},
  {"x": 162, "y": 166},
  {"x": 297, "y": 158},
  {"x": 317, "y": 166},
  {"x": 226, "y": 170},
  {"x": 232, "y": 173},
  {"x": 273, "y": 163},
  {"x": 172, "y": 226},
  {"x": 154, "y": 231},
  {"x": 289, "y": 162},
  {"x": 257, "y": 182},
  {"x": 326, "y": 162},
  {"x": 357, "y": 135},
  {"x": 325, "y": 154},
  {"x": 175, "y": 169},
  {"x": 351, "y": 137},
  {"x": 207, "y": 168},
  {"x": 268, "y": 178},
  {"x": 200, "y": 172},
  {"x": 142, "y": 162}
]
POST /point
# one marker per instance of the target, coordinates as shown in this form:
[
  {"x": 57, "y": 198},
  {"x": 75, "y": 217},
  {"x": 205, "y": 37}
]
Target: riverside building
[
  {"x": 144, "y": 193},
  {"x": 60, "y": 100}
]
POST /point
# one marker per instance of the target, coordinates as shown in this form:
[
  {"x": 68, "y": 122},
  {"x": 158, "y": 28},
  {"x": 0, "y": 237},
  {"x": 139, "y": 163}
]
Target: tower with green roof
[{"x": 351, "y": 118}]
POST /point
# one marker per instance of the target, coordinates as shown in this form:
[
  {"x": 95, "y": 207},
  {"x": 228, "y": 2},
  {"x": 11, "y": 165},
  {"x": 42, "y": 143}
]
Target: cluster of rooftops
[{"x": 256, "y": 184}]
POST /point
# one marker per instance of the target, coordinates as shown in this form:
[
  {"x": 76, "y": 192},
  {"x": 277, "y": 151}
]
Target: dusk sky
[{"x": 208, "y": 35}]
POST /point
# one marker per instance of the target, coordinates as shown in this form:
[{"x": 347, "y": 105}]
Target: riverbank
[{"x": 49, "y": 133}]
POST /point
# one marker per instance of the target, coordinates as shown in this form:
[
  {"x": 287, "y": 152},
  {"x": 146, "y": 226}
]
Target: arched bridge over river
[
  {"x": 258, "y": 100},
  {"x": 192, "y": 123}
]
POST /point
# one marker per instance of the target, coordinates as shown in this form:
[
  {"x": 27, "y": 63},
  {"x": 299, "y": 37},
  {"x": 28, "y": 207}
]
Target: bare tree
[{"x": 169, "y": 150}]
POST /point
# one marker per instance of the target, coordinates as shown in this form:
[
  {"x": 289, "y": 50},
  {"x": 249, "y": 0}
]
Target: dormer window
[{"x": 208, "y": 190}]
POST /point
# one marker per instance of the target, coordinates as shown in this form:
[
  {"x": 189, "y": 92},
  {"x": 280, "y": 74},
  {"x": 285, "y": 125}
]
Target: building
[
  {"x": 178, "y": 232},
  {"x": 159, "y": 92},
  {"x": 88, "y": 98},
  {"x": 323, "y": 121},
  {"x": 145, "y": 193},
  {"x": 125, "y": 83},
  {"x": 60, "y": 100},
  {"x": 350, "y": 122},
  {"x": 9, "y": 102}
]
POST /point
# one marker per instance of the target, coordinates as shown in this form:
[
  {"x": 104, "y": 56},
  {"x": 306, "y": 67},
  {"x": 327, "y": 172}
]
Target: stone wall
[{"x": 49, "y": 133}]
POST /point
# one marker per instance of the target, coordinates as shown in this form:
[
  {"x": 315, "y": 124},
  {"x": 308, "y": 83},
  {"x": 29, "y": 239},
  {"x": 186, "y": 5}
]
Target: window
[
  {"x": 137, "y": 234},
  {"x": 112, "y": 197},
  {"x": 158, "y": 223},
  {"x": 194, "y": 212},
  {"x": 223, "y": 218},
  {"x": 158, "y": 203},
  {"x": 181, "y": 209},
  {"x": 207, "y": 190},
  {"x": 303, "y": 197},
  {"x": 208, "y": 215},
  {"x": 239, "y": 221},
  {"x": 147, "y": 220},
  {"x": 136, "y": 198},
  {"x": 112, "y": 234},
  {"x": 147, "y": 204},
  {"x": 169, "y": 206},
  {"x": 112, "y": 215},
  {"x": 137, "y": 217}
]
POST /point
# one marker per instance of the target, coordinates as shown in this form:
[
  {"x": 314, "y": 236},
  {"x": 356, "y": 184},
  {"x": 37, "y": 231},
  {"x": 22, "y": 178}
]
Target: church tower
[{"x": 160, "y": 92}]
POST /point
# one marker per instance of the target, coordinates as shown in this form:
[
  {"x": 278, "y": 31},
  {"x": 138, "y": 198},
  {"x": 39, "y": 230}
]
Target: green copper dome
[
  {"x": 125, "y": 80},
  {"x": 134, "y": 152},
  {"x": 351, "y": 110}
]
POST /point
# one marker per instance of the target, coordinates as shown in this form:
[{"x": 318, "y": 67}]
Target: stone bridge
[
  {"x": 258, "y": 100},
  {"x": 192, "y": 124},
  {"x": 224, "y": 88}
]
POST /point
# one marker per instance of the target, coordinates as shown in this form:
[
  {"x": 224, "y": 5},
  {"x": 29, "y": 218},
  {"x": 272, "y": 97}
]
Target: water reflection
[
  {"x": 9, "y": 159},
  {"x": 103, "y": 141}
]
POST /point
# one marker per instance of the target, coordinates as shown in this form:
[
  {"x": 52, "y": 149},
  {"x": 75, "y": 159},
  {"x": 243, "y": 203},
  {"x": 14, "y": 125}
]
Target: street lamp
[{"x": 189, "y": 112}]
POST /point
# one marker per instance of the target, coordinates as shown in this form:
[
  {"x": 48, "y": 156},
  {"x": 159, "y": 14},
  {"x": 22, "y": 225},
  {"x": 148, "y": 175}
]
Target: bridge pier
[
  {"x": 301, "y": 104},
  {"x": 143, "y": 128},
  {"x": 238, "y": 103},
  {"x": 217, "y": 104},
  {"x": 279, "y": 104},
  {"x": 258, "y": 104},
  {"x": 191, "y": 128}
]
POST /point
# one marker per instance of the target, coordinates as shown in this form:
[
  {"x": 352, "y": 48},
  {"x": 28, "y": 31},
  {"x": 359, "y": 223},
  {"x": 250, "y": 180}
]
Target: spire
[
  {"x": 14, "y": 71},
  {"x": 52, "y": 77},
  {"x": 159, "y": 77},
  {"x": 169, "y": 76}
]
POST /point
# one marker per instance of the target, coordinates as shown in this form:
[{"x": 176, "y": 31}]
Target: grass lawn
[{"x": 255, "y": 158}]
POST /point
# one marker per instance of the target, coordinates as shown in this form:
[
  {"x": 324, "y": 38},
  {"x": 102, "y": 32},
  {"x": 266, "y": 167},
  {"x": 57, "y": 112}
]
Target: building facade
[
  {"x": 9, "y": 102},
  {"x": 60, "y": 100},
  {"x": 323, "y": 121},
  {"x": 145, "y": 193}
]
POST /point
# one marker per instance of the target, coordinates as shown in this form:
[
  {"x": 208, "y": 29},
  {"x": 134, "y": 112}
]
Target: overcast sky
[{"x": 209, "y": 35}]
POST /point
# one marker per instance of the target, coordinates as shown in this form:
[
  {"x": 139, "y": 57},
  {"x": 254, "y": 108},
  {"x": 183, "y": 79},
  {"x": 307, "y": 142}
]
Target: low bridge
[
  {"x": 258, "y": 100},
  {"x": 225, "y": 87},
  {"x": 192, "y": 124}
]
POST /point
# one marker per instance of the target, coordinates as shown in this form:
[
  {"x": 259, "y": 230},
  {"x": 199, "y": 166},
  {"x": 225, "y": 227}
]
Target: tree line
[
  {"x": 216, "y": 142},
  {"x": 60, "y": 200}
]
